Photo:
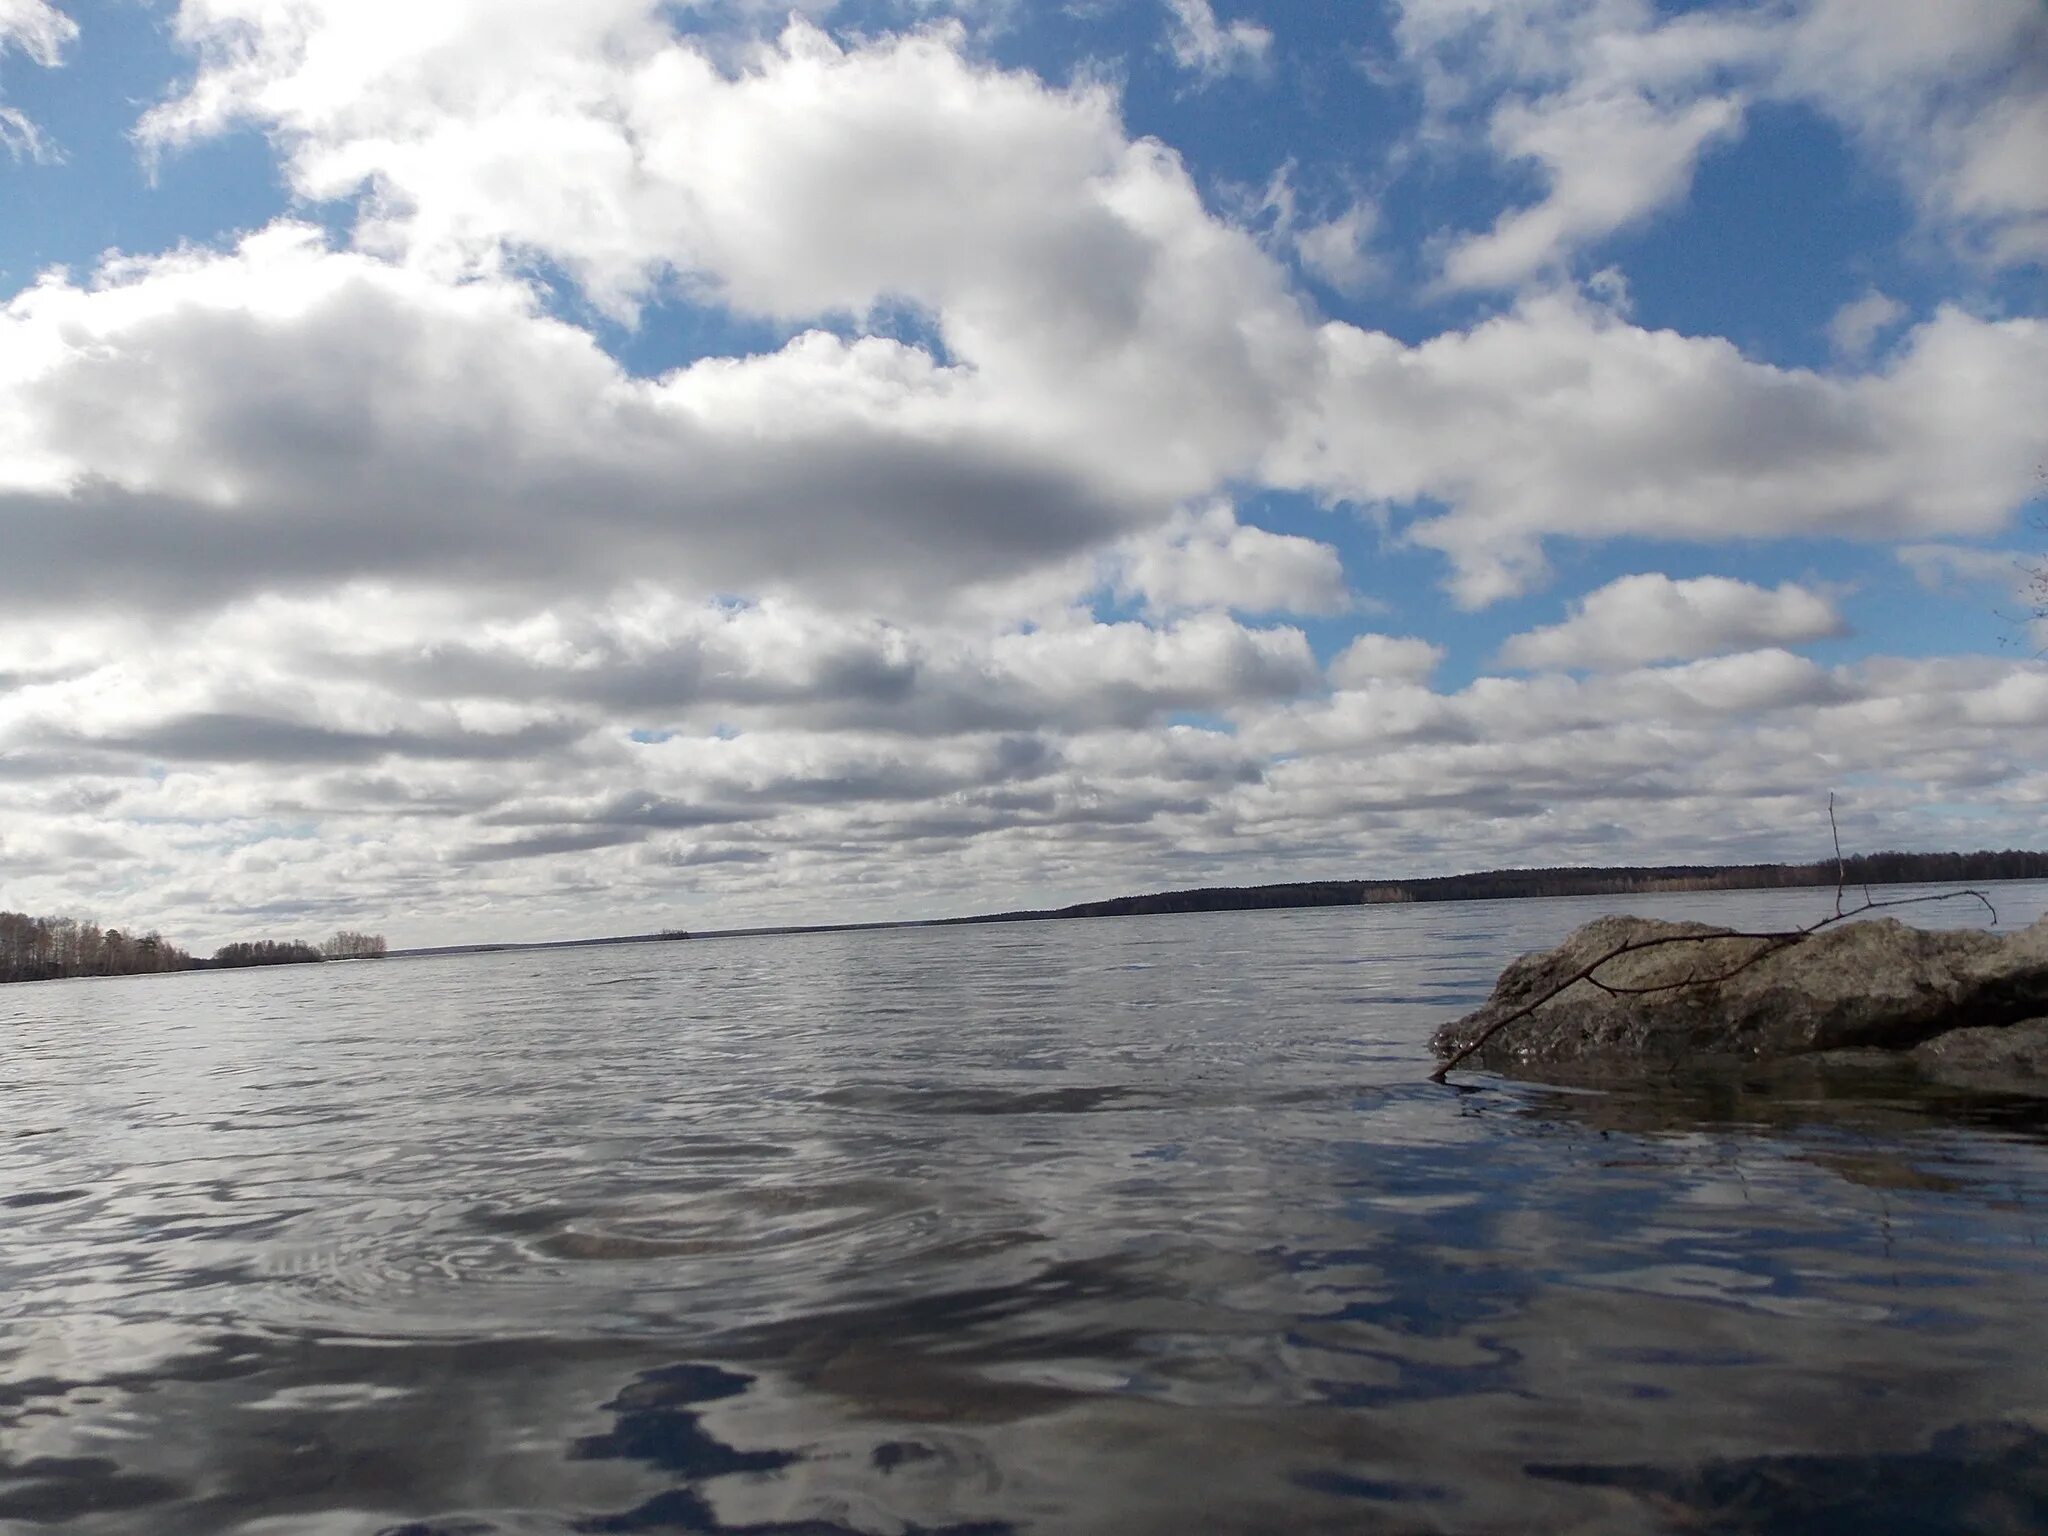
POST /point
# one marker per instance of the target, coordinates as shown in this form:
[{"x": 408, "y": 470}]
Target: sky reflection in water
[{"x": 1148, "y": 1225}]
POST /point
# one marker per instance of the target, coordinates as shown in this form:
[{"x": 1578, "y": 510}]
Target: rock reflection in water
[
  {"x": 1973, "y": 1480},
  {"x": 1881, "y": 1125}
]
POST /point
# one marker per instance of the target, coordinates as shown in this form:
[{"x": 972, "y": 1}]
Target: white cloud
[
  {"x": 349, "y": 582},
  {"x": 1559, "y": 420},
  {"x": 1609, "y": 158},
  {"x": 321, "y": 760},
  {"x": 1339, "y": 250},
  {"x": 1640, "y": 619},
  {"x": 1858, "y": 323},
  {"x": 37, "y": 28},
  {"x": 1652, "y": 755},
  {"x": 1613, "y": 105},
  {"x": 41, "y": 31},
  {"x": 1072, "y": 272},
  {"x": 1616, "y": 101},
  {"x": 1099, "y": 323},
  {"x": 440, "y": 734},
  {"x": 209, "y": 424},
  {"x": 1373, "y": 659},
  {"x": 1208, "y": 559},
  {"x": 1210, "y": 48},
  {"x": 1953, "y": 98}
]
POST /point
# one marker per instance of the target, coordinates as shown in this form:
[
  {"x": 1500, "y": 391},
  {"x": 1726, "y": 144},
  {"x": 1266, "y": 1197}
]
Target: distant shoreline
[{"x": 1979, "y": 868}]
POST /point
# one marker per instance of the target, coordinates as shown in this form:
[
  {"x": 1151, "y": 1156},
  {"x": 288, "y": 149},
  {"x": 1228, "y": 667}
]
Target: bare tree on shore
[
  {"x": 348, "y": 945},
  {"x": 44, "y": 948}
]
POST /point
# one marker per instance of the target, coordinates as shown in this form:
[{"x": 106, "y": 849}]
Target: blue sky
[{"x": 531, "y": 469}]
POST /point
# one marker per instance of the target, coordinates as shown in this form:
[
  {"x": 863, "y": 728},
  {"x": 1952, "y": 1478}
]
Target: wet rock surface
[{"x": 1964, "y": 1005}]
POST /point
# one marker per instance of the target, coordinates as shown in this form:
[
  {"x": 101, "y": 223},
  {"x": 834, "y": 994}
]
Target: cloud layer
[{"x": 998, "y": 515}]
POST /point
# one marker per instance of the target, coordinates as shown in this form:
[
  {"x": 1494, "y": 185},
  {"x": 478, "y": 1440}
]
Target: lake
[{"x": 1138, "y": 1225}]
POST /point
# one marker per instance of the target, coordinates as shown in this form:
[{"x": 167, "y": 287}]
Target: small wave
[{"x": 910, "y": 1100}]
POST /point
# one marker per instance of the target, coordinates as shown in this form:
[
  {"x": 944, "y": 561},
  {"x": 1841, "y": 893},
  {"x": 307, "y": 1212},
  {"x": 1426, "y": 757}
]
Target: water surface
[{"x": 1133, "y": 1225}]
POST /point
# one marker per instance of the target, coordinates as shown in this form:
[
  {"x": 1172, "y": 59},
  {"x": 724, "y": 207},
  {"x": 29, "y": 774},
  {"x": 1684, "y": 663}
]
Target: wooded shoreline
[
  {"x": 1614, "y": 880},
  {"x": 60, "y": 948},
  {"x": 1874, "y": 869}
]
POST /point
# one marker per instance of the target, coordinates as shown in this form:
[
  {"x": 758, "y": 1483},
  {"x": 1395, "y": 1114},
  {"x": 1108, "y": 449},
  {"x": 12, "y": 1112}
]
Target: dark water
[{"x": 1149, "y": 1225}]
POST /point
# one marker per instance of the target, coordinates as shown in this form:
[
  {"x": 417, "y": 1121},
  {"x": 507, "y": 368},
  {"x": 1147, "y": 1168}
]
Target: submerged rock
[
  {"x": 1675, "y": 994},
  {"x": 1987, "y": 1055}
]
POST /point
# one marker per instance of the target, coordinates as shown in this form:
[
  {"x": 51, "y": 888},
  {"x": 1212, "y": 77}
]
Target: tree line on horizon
[
  {"x": 51, "y": 948},
  {"x": 47, "y": 948},
  {"x": 1889, "y": 868},
  {"x": 41, "y": 948}
]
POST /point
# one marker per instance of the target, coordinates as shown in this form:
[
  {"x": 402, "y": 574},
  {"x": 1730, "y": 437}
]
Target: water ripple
[{"x": 1128, "y": 1227}]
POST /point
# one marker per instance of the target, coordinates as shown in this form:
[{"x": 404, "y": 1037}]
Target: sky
[{"x": 508, "y": 469}]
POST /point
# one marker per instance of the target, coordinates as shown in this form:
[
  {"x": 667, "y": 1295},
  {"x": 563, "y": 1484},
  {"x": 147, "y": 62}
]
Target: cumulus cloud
[
  {"x": 1653, "y": 746},
  {"x": 591, "y": 764},
  {"x": 979, "y": 830},
  {"x": 1085, "y": 299},
  {"x": 1097, "y": 320},
  {"x": 1208, "y": 559},
  {"x": 815, "y": 179},
  {"x": 409, "y": 677},
  {"x": 1954, "y": 99},
  {"x": 1373, "y": 659},
  {"x": 350, "y": 577},
  {"x": 1639, "y": 619},
  {"x": 1694, "y": 441},
  {"x": 193, "y": 426},
  {"x": 188, "y": 427}
]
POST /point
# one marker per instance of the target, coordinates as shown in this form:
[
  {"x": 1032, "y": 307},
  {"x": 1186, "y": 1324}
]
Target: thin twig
[
  {"x": 1841, "y": 870},
  {"x": 1772, "y": 942}
]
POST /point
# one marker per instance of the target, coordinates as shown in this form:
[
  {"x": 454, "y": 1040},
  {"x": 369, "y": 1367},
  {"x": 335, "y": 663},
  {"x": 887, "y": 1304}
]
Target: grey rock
[
  {"x": 2014, "y": 1053},
  {"x": 1675, "y": 994}
]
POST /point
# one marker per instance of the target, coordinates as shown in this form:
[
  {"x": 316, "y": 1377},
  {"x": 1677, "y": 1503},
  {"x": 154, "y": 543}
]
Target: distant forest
[
  {"x": 1623, "y": 880},
  {"x": 40, "y": 948},
  {"x": 47, "y": 948}
]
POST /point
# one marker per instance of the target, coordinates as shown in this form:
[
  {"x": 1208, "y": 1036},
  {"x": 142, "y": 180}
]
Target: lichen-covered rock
[{"x": 1678, "y": 993}]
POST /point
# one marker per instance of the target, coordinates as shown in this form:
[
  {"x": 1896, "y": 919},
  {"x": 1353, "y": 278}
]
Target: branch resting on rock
[{"x": 1768, "y": 943}]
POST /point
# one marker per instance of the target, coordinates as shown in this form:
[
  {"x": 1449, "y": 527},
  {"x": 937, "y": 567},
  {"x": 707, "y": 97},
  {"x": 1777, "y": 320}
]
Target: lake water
[{"x": 1137, "y": 1225}]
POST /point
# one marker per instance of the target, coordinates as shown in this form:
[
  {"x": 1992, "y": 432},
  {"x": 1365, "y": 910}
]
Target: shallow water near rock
[{"x": 1134, "y": 1225}]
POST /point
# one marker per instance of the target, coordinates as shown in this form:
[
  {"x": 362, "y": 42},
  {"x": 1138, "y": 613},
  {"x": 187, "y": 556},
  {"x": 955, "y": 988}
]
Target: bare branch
[
  {"x": 1772, "y": 942},
  {"x": 1841, "y": 869}
]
